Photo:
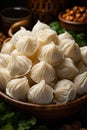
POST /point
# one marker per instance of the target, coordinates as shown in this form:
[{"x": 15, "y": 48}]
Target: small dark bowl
[
  {"x": 11, "y": 15},
  {"x": 70, "y": 25}
]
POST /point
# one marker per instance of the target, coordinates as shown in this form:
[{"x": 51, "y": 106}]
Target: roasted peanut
[
  {"x": 82, "y": 19},
  {"x": 69, "y": 18},
  {"x": 64, "y": 16},
  {"x": 76, "y": 14},
  {"x": 71, "y": 12},
  {"x": 82, "y": 9},
  {"x": 67, "y": 10},
  {"x": 75, "y": 8}
]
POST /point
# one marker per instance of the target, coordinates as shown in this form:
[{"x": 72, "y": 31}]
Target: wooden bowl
[
  {"x": 51, "y": 111},
  {"x": 70, "y": 25}
]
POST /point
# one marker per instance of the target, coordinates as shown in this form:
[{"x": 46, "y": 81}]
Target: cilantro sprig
[
  {"x": 13, "y": 119},
  {"x": 80, "y": 37}
]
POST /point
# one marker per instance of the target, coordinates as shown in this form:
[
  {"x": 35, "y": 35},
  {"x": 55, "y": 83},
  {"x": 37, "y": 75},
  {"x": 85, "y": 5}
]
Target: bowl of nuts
[{"x": 74, "y": 19}]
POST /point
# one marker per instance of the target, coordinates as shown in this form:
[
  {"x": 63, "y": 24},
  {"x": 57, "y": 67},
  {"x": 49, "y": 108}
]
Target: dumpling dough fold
[
  {"x": 42, "y": 71},
  {"x": 18, "y": 88},
  {"x": 40, "y": 93},
  {"x": 4, "y": 78},
  {"x": 84, "y": 54},
  {"x": 67, "y": 69},
  {"x": 39, "y": 26},
  {"x": 4, "y": 60},
  {"x": 70, "y": 49},
  {"x": 19, "y": 66},
  {"x": 81, "y": 83},
  {"x": 27, "y": 45},
  {"x": 51, "y": 54},
  {"x": 64, "y": 91},
  {"x": 46, "y": 36}
]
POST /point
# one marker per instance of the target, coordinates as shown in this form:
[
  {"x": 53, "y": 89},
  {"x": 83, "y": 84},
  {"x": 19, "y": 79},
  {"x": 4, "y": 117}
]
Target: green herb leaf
[
  {"x": 80, "y": 38},
  {"x": 26, "y": 124},
  {"x": 8, "y": 127},
  {"x": 42, "y": 127}
]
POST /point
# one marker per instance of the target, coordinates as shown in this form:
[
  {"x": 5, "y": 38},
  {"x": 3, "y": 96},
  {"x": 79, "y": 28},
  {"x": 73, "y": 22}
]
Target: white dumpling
[
  {"x": 18, "y": 88},
  {"x": 39, "y": 26},
  {"x": 46, "y": 36},
  {"x": 27, "y": 45},
  {"x": 7, "y": 47},
  {"x": 42, "y": 71},
  {"x": 70, "y": 49},
  {"x": 4, "y": 78},
  {"x": 64, "y": 36},
  {"x": 40, "y": 93},
  {"x": 21, "y": 32},
  {"x": 19, "y": 65},
  {"x": 51, "y": 54},
  {"x": 67, "y": 69},
  {"x": 84, "y": 54},
  {"x": 64, "y": 91},
  {"x": 15, "y": 52},
  {"x": 81, "y": 83},
  {"x": 81, "y": 67},
  {"x": 4, "y": 59}
]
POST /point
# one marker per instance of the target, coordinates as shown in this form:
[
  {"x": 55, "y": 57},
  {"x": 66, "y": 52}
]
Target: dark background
[
  {"x": 62, "y": 5},
  {"x": 7, "y": 3}
]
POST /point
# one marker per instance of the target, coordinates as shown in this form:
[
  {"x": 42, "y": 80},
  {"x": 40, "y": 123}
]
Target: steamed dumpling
[
  {"x": 42, "y": 71},
  {"x": 4, "y": 78},
  {"x": 81, "y": 83},
  {"x": 40, "y": 93},
  {"x": 46, "y": 36},
  {"x": 27, "y": 45},
  {"x": 7, "y": 47},
  {"x": 81, "y": 67},
  {"x": 51, "y": 54},
  {"x": 18, "y": 88},
  {"x": 15, "y": 52},
  {"x": 84, "y": 54},
  {"x": 39, "y": 26},
  {"x": 19, "y": 65},
  {"x": 22, "y": 31},
  {"x": 70, "y": 49},
  {"x": 64, "y": 36},
  {"x": 4, "y": 59},
  {"x": 64, "y": 91},
  {"x": 67, "y": 69}
]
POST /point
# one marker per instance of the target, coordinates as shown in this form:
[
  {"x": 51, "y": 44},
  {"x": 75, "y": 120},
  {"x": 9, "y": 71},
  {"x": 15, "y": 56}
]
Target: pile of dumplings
[{"x": 42, "y": 67}]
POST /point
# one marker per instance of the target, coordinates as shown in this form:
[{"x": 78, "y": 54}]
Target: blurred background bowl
[
  {"x": 11, "y": 15},
  {"x": 71, "y": 25}
]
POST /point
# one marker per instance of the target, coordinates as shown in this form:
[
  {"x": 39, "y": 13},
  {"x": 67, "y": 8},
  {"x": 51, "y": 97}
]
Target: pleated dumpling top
[
  {"x": 46, "y": 36},
  {"x": 65, "y": 90},
  {"x": 18, "y": 88},
  {"x": 39, "y": 26},
  {"x": 19, "y": 66},
  {"x": 42, "y": 71},
  {"x": 4, "y": 60},
  {"x": 51, "y": 54},
  {"x": 70, "y": 49},
  {"x": 27, "y": 45},
  {"x": 40, "y": 93},
  {"x": 81, "y": 83}
]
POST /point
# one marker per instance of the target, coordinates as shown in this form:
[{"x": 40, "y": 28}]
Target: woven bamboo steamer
[{"x": 46, "y": 10}]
